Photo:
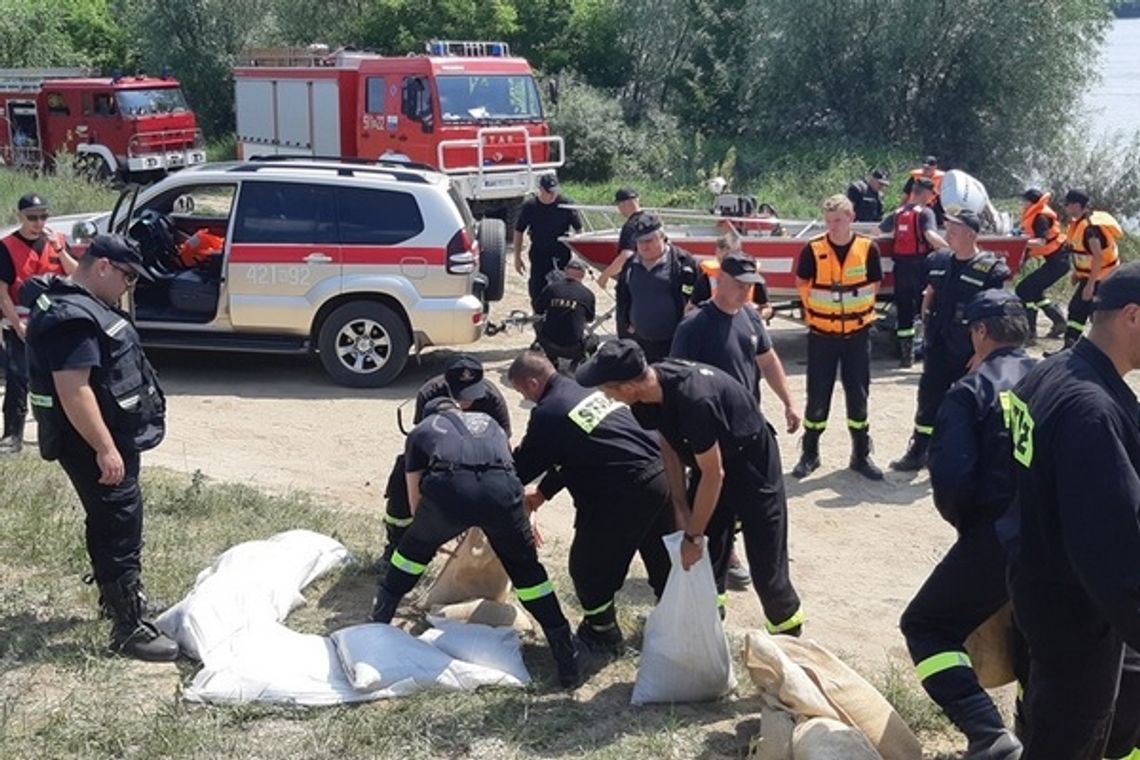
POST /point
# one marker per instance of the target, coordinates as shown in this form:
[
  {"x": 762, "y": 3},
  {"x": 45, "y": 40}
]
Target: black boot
[
  {"x": 1031, "y": 315},
  {"x": 1057, "y": 317},
  {"x": 978, "y": 718},
  {"x": 861, "y": 455},
  {"x": 13, "y": 440},
  {"x": 150, "y": 607},
  {"x": 600, "y": 632},
  {"x": 906, "y": 352},
  {"x": 565, "y": 652},
  {"x": 809, "y": 456},
  {"x": 384, "y": 606},
  {"x": 915, "y": 457},
  {"x": 133, "y": 635}
]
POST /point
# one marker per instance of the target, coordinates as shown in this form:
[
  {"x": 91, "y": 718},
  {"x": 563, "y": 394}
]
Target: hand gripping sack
[{"x": 684, "y": 656}]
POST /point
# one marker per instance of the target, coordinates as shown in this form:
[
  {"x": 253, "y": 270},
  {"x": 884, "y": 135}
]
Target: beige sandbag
[
  {"x": 486, "y": 612},
  {"x": 471, "y": 572},
  {"x": 827, "y": 739},
  {"x": 774, "y": 742},
  {"x": 991, "y": 649},
  {"x": 782, "y": 680},
  {"x": 857, "y": 702}
]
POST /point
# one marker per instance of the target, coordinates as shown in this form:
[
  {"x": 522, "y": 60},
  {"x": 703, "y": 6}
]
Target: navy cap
[
  {"x": 880, "y": 176},
  {"x": 625, "y": 194},
  {"x": 120, "y": 249},
  {"x": 614, "y": 362},
  {"x": 1119, "y": 289},
  {"x": 966, "y": 218},
  {"x": 1032, "y": 195},
  {"x": 925, "y": 183},
  {"x": 548, "y": 182},
  {"x": 646, "y": 225},
  {"x": 31, "y": 202},
  {"x": 741, "y": 268},
  {"x": 439, "y": 404},
  {"x": 930, "y": 161},
  {"x": 464, "y": 378},
  {"x": 994, "y": 303},
  {"x": 1076, "y": 196}
]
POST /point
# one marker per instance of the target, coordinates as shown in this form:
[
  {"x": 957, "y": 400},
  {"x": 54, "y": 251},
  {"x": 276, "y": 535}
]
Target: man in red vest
[{"x": 30, "y": 250}]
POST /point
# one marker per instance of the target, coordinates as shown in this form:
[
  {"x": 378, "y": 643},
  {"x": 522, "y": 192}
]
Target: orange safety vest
[
  {"x": 1053, "y": 238},
  {"x": 936, "y": 179},
  {"x": 27, "y": 263},
  {"x": 839, "y": 300},
  {"x": 1082, "y": 259},
  {"x": 199, "y": 247}
]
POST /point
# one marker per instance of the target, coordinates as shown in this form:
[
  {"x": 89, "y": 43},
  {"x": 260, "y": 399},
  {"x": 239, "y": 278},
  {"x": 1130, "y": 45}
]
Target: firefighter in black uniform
[
  {"x": 462, "y": 380},
  {"x": 98, "y": 406},
  {"x": 567, "y": 308},
  {"x": 710, "y": 422},
  {"x": 866, "y": 196},
  {"x": 954, "y": 277},
  {"x": 547, "y": 218},
  {"x": 460, "y": 475},
  {"x": 1075, "y": 578},
  {"x": 583, "y": 440},
  {"x": 971, "y": 472}
]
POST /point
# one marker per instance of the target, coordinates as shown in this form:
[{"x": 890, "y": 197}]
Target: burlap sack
[
  {"x": 991, "y": 649},
  {"x": 471, "y": 572},
  {"x": 826, "y": 739},
  {"x": 486, "y": 612}
]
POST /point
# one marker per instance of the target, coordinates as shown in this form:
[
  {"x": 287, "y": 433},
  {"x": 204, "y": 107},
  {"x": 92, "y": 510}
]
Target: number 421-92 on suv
[{"x": 358, "y": 261}]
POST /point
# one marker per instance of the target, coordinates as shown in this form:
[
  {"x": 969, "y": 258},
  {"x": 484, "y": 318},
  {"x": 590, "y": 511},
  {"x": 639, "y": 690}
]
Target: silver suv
[{"x": 361, "y": 262}]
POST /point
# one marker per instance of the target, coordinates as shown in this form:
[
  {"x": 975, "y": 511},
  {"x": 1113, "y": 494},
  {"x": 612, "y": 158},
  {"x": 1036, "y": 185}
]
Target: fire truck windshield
[
  {"x": 150, "y": 102},
  {"x": 488, "y": 98}
]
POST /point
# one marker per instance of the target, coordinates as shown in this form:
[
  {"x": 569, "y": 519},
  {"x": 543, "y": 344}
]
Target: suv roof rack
[{"x": 404, "y": 171}]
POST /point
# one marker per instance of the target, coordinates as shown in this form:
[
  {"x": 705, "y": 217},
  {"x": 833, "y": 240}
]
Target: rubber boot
[
  {"x": 906, "y": 352},
  {"x": 809, "y": 455},
  {"x": 915, "y": 457},
  {"x": 861, "y": 455},
  {"x": 384, "y": 606},
  {"x": 600, "y": 632},
  {"x": 565, "y": 653},
  {"x": 1057, "y": 317},
  {"x": 978, "y": 718},
  {"x": 132, "y": 635}
]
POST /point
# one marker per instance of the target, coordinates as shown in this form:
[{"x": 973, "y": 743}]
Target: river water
[{"x": 1114, "y": 102}]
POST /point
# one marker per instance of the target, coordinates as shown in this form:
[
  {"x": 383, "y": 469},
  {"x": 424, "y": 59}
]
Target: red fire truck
[
  {"x": 131, "y": 127},
  {"x": 469, "y": 109}
]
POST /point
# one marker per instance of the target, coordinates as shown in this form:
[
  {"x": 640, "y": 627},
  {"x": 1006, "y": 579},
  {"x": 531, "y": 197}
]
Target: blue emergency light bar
[{"x": 468, "y": 49}]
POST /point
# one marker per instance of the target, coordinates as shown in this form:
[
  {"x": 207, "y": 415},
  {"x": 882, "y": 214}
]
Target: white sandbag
[
  {"x": 961, "y": 192},
  {"x": 774, "y": 742},
  {"x": 684, "y": 655},
  {"x": 827, "y": 739},
  {"x": 249, "y": 584},
  {"x": 495, "y": 648}
]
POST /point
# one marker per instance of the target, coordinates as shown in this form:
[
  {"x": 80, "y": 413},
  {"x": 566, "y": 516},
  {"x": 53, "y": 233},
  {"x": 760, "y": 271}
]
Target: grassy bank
[
  {"x": 67, "y": 192},
  {"x": 62, "y": 697}
]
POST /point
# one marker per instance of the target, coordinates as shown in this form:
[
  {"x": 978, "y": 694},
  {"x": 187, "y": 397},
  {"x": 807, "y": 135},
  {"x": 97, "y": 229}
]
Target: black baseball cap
[
  {"x": 1032, "y": 195},
  {"x": 881, "y": 176},
  {"x": 548, "y": 182},
  {"x": 439, "y": 404},
  {"x": 464, "y": 378},
  {"x": 614, "y": 362},
  {"x": 967, "y": 218},
  {"x": 120, "y": 249},
  {"x": 1119, "y": 289},
  {"x": 646, "y": 225},
  {"x": 625, "y": 194},
  {"x": 741, "y": 268},
  {"x": 31, "y": 202},
  {"x": 1076, "y": 196},
  {"x": 930, "y": 161},
  {"x": 924, "y": 183},
  {"x": 994, "y": 303}
]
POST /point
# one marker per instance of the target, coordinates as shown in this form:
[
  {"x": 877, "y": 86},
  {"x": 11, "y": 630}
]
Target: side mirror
[{"x": 81, "y": 232}]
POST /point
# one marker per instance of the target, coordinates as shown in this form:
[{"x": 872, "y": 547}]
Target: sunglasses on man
[
  {"x": 36, "y": 217},
  {"x": 130, "y": 276}
]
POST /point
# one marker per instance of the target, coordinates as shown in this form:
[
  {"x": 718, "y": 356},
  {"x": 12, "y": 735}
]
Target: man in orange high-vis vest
[
  {"x": 30, "y": 250},
  {"x": 838, "y": 276}
]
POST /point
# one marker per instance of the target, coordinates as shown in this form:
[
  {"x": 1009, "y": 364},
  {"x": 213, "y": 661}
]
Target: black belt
[{"x": 449, "y": 468}]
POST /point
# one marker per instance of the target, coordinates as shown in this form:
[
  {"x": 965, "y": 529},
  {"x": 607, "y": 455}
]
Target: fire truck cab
[
  {"x": 469, "y": 109},
  {"x": 133, "y": 127}
]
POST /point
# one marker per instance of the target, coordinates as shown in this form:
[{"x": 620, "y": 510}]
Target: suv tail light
[{"x": 462, "y": 255}]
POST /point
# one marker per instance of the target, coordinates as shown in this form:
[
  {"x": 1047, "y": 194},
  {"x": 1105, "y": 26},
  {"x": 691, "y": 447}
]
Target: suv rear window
[
  {"x": 377, "y": 217},
  {"x": 282, "y": 212}
]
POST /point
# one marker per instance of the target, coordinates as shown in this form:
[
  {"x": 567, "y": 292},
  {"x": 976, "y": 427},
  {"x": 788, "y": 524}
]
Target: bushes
[{"x": 1107, "y": 168}]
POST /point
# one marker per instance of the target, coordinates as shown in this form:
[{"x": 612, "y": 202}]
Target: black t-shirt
[
  {"x": 701, "y": 405},
  {"x": 730, "y": 342},
  {"x": 567, "y": 306},
  {"x": 7, "y": 266},
  {"x": 492, "y": 402},
  {"x": 72, "y": 345},
  {"x": 547, "y": 222},
  {"x": 805, "y": 268},
  {"x": 868, "y": 203},
  {"x": 626, "y": 241},
  {"x": 702, "y": 291},
  {"x": 437, "y": 437}
]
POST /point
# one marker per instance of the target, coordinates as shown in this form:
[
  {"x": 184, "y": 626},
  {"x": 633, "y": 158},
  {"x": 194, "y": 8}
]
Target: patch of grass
[
  {"x": 898, "y": 685},
  {"x": 65, "y": 190}
]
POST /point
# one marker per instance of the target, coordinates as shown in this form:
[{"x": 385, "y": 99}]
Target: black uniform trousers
[
  {"x": 575, "y": 354},
  {"x": 940, "y": 369},
  {"x": 850, "y": 357},
  {"x": 632, "y": 519},
  {"x": 1075, "y": 660},
  {"x": 752, "y": 495},
  {"x": 1124, "y": 737},
  {"x": 1079, "y": 312},
  {"x": 114, "y": 513},
  {"x": 910, "y": 279},
  {"x": 490, "y": 500},
  {"x": 655, "y": 350},
  {"x": 542, "y": 263},
  {"x": 963, "y": 591},
  {"x": 398, "y": 513},
  {"x": 15, "y": 384},
  {"x": 1031, "y": 289}
]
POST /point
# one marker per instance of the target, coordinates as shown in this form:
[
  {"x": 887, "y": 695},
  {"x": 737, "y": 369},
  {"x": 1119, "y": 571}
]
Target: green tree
[{"x": 35, "y": 35}]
